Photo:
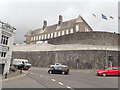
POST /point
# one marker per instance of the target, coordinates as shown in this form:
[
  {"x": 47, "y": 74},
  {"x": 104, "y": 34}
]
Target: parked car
[
  {"x": 21, "y": 64},
  {"x": 59, "y": 70},
  {"x": 56, "y": 64},
  {"x": 109, "y": 71}
]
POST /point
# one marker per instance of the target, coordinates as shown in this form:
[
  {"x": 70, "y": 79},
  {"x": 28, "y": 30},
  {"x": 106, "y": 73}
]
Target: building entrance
[{"x": 2, "y": 68}]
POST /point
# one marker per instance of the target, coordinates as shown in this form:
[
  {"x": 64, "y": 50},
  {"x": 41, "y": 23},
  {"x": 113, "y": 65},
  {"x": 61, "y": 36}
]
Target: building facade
[
  {"x": 6, "y": 42},
  {"x": 60, "y": 29}
]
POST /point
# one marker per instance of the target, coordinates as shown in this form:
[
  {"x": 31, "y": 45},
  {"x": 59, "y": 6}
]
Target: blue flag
[{"x": 104, "y": 17}]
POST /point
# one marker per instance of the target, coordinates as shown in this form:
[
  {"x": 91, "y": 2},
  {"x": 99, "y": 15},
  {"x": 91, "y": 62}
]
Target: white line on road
[
  {"x": 69, "y": 87},
  {"x": 60, "y": 83},
  {"x": 53, "y": 80}
]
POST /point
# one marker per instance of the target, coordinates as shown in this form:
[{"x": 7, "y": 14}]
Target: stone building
[
  {"x": 60, "y": 29},
  {"x": 73, "y": 43},
  {"x": 6, "y": 42}
]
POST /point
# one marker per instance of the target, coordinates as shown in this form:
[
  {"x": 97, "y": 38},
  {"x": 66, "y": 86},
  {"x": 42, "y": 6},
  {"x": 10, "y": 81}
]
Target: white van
[{"x": 21, "y": 62}]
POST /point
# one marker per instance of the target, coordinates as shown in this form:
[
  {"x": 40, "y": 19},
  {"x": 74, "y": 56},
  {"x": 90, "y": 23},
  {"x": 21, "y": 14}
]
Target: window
[
  {"x": 67, "y": 31},
  {"x": 3, "y": 54},
  {"x": 63, "y": 32},
  {"x": 55, "y": 34},
  {"x": 71, "y": 30},
  {"x": 39, "y": 37},
  {"x": 59, "y": 33},
  {"x": 48, "y": 36},
  {"x": 86, "y": 29},
  {"x": 77, "y": 28},
  {"x": 45, "y": 36},
  {"x": 51, "y": 35},
  {"x": 42, "y": 37},
  {"x": 4, "y": 40},
  {"x": 34, "y": 38},
  {"x": 31, "y": 38}
]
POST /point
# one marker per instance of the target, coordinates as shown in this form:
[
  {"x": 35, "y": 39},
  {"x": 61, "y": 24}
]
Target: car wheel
[
  {"x": 119, "y": 74},
  {"x": 63, "y": 73},
  {"x": 50, "y": 72},
  {"x": 104, "y": 74}
]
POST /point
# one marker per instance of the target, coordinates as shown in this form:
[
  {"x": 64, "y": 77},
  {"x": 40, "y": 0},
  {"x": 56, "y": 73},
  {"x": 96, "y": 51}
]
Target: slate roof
[{"x": 55, "y": 27}]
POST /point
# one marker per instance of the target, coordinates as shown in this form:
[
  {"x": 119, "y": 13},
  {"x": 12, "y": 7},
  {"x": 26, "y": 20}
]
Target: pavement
[{"x": 13, "y": 75}]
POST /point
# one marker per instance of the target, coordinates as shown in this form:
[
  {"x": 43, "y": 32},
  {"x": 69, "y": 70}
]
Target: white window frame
[
  {"x": 42, "y": 37},
  {"x": 31, "y": 38},
  {"x": 63, "y": 32},
  {"x": 39, "y": 37},
  {"x": 71, "y": 30},
  {"x": 86, "y": 29},
  {"x": 48, "y": 36},
  {"x": 45, "y": 36},
  {"x": 51, "y": 35},
  {"x": 34, "y": 38},
  {"x": 67, "y": 31},
  {"x": 77, "y": 28},
  {"x": 55, "y": 34},
  {"x": 59, "y": 33}
]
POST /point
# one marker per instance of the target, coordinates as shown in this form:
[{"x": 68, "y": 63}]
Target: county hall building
[{"x": 62, "y": 28}]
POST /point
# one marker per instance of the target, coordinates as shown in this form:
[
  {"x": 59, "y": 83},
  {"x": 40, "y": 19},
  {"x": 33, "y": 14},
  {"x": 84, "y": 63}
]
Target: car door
[
  {"x": 115, "y": 71},
  {"x": 112, "y": 71},
  {"x": 109, "y": 71}
]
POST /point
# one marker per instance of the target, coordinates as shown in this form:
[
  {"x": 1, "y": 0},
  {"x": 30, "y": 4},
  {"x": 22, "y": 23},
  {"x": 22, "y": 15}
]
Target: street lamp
[{"x": 106, "y": 57}]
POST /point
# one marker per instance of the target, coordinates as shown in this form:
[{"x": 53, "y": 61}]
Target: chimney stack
[
  {"x": 44, "y": 24},
  {"x": 60, "y": 20}
]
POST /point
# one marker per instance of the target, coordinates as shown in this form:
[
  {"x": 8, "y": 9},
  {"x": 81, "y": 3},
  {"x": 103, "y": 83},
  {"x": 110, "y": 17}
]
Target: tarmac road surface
[{"x": 39, "y": 78}]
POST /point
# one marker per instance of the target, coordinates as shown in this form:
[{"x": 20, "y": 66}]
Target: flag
[
  {"x": 111, "y": 17},
  {"x": 94, "y": 15},
  {"x": 104, "y": 17}
]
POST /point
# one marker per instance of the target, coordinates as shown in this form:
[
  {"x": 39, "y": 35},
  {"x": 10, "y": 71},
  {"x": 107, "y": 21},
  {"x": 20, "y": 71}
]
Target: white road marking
[
  {"x": 53, "y": 80},
  {"x": 60, "y": 83},
  {"x": 69, "y": 87}
]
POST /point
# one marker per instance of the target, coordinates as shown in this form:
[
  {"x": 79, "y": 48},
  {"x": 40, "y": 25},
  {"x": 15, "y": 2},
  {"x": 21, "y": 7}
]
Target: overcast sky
[{"x": 26, "y": 15}]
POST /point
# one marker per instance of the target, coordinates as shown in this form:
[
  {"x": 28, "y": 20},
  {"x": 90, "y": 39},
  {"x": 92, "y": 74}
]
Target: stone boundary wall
[
  {"x": 88, "y": 38},
  {"x": 81, "y": 59}
]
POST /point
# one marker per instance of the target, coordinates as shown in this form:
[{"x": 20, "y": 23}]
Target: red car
[{"x": 109, "y": 71}]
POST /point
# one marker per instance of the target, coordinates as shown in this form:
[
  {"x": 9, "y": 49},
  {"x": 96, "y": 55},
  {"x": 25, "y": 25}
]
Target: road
[{"x": 39, "y": 78}]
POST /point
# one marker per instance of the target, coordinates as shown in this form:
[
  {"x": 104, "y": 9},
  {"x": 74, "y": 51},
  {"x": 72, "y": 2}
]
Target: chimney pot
[
  {"x": 44, "y": 24},
  {"x": 60, "y": 20}
]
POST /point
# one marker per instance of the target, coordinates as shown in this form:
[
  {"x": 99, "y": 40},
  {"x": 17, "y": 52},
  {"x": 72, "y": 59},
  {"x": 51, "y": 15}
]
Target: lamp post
[{"x": 106, "y": 56}]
